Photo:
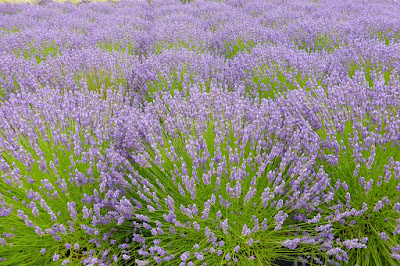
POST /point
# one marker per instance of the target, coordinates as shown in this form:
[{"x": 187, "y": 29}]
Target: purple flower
[
  {"x": 224, "y": 225},
  {"x": 158, "y": 260},
  {"x": 142, "y": 262},
  {"x": 219, "y": 215},
  {"x": 56, "y": 257},
  {"x": 383, "y": 236},
  {"x": 185, "y": 256},
  {"x": 196, "y": 226},
  {"x": 395, "y": 256},
  {"x": 246, "y": 231},
  {"x": 199, "y": 255},
  {"x": 279, "y": 220},
  {"x": 291, "y": 243}
]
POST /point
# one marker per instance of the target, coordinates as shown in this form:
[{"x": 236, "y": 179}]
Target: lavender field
[{"x": 237, "y": 132}]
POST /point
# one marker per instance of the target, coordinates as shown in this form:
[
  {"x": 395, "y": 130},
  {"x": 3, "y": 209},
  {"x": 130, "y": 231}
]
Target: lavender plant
[
  {"x": 217, "y": 185},
  {"x": 366, "y": 177},
  {"x": 59, "y": 179},
  {"x": 360, "y": 154}
]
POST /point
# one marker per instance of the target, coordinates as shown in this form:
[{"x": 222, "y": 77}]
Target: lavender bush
[
  {"x": 200, "y": 133},
  {"x": 218, "y": 181},
  {"x": 361, "y": 134},
  {"x": 59, "y": 178}
]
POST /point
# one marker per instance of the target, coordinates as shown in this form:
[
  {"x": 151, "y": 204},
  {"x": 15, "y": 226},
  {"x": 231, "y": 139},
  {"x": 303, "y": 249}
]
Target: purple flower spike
[{"x": 56, "y": 257}]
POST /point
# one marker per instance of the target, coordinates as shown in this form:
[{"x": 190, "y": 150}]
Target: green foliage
[
  {"x": 270, "y": 80},
  {"x": 320, "y": 43},
  {"x": 233, "y": 47},
  {"x": 11, "y": 30},
  {"x": 161, "y": 46},
  {"x": 125, "y": 48},
  {"x": 39, "y": 53}
]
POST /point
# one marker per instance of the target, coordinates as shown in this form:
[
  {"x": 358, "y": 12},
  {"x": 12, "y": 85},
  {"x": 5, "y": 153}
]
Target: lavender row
[{"x": 265, "y": 70}]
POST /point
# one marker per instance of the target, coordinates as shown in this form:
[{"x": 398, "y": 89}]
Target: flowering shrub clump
[
  {"x": 361, "y": 130},
  {"x": 220, "y": 179},
  {"x": 200, "y": 132},
  {"x": 59, "y": 178}
]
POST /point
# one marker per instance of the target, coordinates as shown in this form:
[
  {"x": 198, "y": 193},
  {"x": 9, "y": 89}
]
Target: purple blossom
[
  {"x": 291, "y": 243},
  {"x": 246, "y": 231},
  {"x": 383, "y": 236},
  {"x": 56, "y": 257},
  {"x": 199, "y": 256},
  {"x": 236, "y": 249},
  {"x": 185, "y": 256}
]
